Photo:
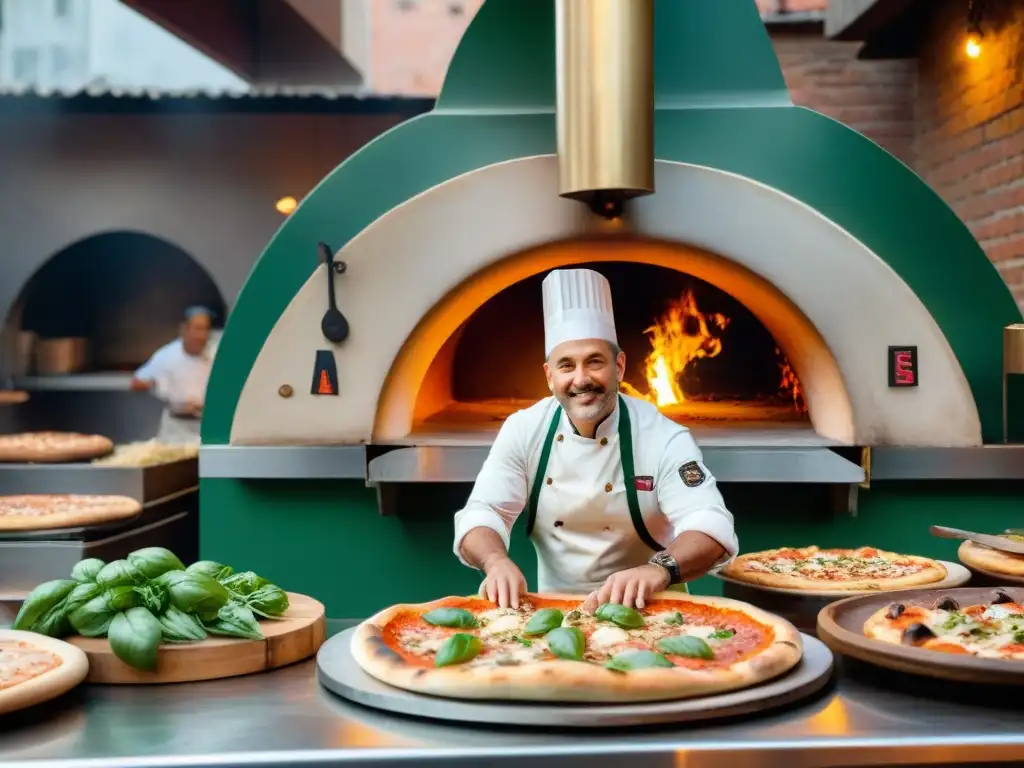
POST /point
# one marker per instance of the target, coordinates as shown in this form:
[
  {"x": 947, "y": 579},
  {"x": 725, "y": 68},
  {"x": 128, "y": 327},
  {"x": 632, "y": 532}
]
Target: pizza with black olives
[{"x": 679, "y": 646}]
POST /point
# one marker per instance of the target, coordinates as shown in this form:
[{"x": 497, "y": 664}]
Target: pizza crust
[
  {"x": 574, "y": 681},
  {"x": 932, "y": 573},
  {"x": 53, "y": 447},
  {"x": 64, "y": 511},
  {"x": 73, "y": 669},
  {"x": 988, "y": 559}
]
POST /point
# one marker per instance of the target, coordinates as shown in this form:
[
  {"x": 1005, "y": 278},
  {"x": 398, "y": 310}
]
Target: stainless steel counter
[{"x": 284, "y": 718}]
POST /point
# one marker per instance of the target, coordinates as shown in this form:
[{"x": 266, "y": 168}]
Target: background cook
[
  {"x": 617, "y": 500},
  {"x": 178, "y": 373}
]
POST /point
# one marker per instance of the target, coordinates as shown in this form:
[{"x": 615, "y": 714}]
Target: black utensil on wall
[{"x": 334, "y": 325}]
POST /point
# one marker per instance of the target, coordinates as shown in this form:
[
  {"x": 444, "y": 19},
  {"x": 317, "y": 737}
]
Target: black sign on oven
[{"x": 903, "y": 367}]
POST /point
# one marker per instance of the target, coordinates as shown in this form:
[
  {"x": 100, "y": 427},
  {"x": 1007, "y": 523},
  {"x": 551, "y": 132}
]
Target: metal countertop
[{"x": 866, "y": 716}]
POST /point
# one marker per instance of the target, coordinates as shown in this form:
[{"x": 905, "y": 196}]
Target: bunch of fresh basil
[{"x": 150, "y": 598}]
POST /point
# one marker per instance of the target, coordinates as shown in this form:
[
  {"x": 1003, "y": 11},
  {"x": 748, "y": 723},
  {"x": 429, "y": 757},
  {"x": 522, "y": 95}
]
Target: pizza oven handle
[{"x": 334, "y": 326}]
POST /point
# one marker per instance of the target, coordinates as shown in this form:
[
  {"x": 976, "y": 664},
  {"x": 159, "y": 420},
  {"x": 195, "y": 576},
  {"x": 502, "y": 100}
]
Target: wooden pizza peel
[
  {"x": 296, "y": 636},
  {"x": 841, "y": 627},
  {"x": 49, "y": 685},
  {"x": 801, "y": 607}
]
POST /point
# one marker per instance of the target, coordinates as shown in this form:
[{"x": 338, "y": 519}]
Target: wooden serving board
[
  {"x": 49, "y": 685},
  {"x": 296, "y": 636},
  {"x": 841, "y": 628}
]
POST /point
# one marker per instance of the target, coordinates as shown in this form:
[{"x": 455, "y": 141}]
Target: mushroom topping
[
  {"x": 948, "y": 604},
  {"x": 1001, "y": 597},
  {"x": 895, "y": 610},
  {"x": 916, "y": 634}
]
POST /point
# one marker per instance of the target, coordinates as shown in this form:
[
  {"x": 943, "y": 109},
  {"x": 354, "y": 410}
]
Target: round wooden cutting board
[
  {"x": 296, "y": 636},
  {"x": 49, "y": 685}
]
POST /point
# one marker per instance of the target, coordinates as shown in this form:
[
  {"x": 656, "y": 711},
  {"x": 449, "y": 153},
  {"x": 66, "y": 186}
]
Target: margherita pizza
[
  {"x": 994, "y": 631},
  {"x": 35, "y": 668},
  {"x": 839, "y": 570},
  {"x": 997, "y": 561},
  {"x": 679, "y": 646},
  {"x": 52, "y": 447},
  {"x": 35, "y": 512}
]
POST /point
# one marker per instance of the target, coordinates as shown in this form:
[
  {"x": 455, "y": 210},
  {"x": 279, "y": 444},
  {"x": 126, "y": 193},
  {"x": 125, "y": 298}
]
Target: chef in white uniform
[
  {"x": 617, "y": 500},
  {"x": 178, "y": 373}
]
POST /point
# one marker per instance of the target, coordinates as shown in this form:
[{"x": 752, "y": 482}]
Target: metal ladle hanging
[{"x": 334, "y": 326}]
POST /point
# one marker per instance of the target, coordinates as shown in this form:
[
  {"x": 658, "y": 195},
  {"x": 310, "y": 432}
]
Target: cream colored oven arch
[{"x": 421, "y": 269}]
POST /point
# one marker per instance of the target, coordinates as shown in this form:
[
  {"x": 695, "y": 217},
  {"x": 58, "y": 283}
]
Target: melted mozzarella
[
  {"x": 508, "y": 623},
  {"x": 697, "y": 631},
  {"x": 606, "y": 637}
]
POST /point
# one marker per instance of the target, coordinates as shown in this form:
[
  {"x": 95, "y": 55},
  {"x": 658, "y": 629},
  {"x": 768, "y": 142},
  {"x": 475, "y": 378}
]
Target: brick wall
[{"x": 970, "y": 131}]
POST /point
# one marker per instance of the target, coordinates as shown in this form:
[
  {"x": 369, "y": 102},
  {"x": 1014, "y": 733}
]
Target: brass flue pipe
[{"x": 605, "y": 100}]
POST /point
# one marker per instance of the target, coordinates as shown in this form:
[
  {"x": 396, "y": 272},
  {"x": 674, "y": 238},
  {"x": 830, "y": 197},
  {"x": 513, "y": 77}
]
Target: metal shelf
[{"x": 113, "y": 381}]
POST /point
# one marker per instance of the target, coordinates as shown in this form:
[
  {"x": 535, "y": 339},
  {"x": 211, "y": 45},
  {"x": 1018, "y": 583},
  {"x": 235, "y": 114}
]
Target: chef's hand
[
  {"x": 630, "y": 588},
  {"x": 503, "y": 582}
]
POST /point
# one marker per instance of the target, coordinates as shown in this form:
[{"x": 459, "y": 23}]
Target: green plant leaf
[
  {"x": 86, "y": 570},
  {"x": 457, "y": 649},
  {"x": 45, "y": 609},
  {"x": 244, "y": 583},
  {"x": 134, "y": 636},
  {"x": 119, "y": 573},
  {"x": 722, "y": 634},
  {"x": 235, "y": 620},
  {"x": 543, "y": 621},
  {"x": 180, "y": 627},
  {"x": 458, "y": 618},
  {"x": 675, "y": 620},
  {"x": 632, "y": 660},
  {"x": 92, "y": 619},
  {"x": 81, "y": 595},
  {"x": 194, "y": 592},
  {"x": 567, "y": 643},
  {"x": 210, "y": 568},
  {"x": 621, "y": 615},
  {"x": 690, "y": 647},
  {"x": 153, "y": 561},
  {"x": 270, "y": 601},
  {"x": 122, "y": 598}
]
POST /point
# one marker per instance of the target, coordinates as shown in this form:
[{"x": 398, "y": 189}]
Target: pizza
[
  {"x": 679, "y": 646},
  {"x": 992, "y": 631},
  {"x": 997, "y": 561},
  {"x": 41, "y": 511},
  {"x": 147, "y": 454},
  {"x": 52, "y": 447},
  {"x": 839, "y": 570},
  {"x": 34, "y": 668}
]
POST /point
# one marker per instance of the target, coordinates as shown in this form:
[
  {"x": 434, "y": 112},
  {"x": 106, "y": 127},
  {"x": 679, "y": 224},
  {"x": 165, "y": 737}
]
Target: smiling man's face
[{"x": 584, "y": 377}]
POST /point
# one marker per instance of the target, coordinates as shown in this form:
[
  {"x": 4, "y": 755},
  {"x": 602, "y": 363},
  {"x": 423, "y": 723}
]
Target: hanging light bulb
[
  {"x": 972, "y": 46},
  {"x": 286, "y": 205}
]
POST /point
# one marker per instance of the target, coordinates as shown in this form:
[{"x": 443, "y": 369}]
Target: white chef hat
[{"x": 577, "y": 305}]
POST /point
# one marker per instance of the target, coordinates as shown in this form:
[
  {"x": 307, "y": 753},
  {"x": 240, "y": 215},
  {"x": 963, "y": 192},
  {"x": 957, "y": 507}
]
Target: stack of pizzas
[{"x": 35, "y": 512}]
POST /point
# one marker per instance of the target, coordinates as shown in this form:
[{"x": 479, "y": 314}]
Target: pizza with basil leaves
[
  {"x": 840, "y": 570},
  {"x": 679, "y": 646}
]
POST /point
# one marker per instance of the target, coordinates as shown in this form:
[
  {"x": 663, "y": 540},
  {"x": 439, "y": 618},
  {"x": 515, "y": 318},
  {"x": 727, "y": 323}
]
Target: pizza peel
[
  {"x": 993, "y": 542},
  {"x": 841, "y": 628}
]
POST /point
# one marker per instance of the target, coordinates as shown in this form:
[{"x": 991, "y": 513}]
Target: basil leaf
[
  {"x": 86, "y": 570},
  {"x": 180, "y": 627},
  {"x": 93, "y": 618},
  {"x": 268, "y": 601},
  {"x": 153, "y": 561},
  {"x": 245, "y": 583},
  {"x": 622, "y": 615},
  {"x": 193, "y": 592},
  {"x": 523, "y": 641},
  {"x": 722, "y": 634},
  {"x": 457, "y": 618},
  {"x": 81, "y": 595},
  {"x": 45, "y": 609},
  {"x": 567, "y": 643},
  {"x": 675, "y": 620},
  {"x": 212, "y": 569},
  {"x": 1018, "y": 637},
  {"x": 690, "y": 647},
  {"x": 134, "y": 637},
  {"x": 235, "y": 620},
  {"x": 631, "y": 660},
  {"x": 543, "y": 621},
  {"x": 457, "y": 649},
  {"x": 122, "y": 598},
  {"x": 118, "y": 573}
]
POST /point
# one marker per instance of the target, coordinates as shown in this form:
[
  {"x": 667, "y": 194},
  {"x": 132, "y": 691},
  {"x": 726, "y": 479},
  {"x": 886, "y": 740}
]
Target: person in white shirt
[
  {"x": 178, "y": 373},
  {"x": 618, "y": 502}
]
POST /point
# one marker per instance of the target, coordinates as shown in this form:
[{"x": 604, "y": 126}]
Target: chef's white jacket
[{"x": 583, "y": 529}]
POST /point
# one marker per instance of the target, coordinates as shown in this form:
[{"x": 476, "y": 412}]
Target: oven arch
[{"x": 425, "y": 253}]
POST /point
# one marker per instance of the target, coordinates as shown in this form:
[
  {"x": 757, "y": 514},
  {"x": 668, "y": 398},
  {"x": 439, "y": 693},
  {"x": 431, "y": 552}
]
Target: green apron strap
[
  {"x": 542, "y": 468},
  {"x": 626, "y": 453}
]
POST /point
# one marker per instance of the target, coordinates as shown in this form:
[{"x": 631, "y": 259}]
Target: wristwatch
[{"x": 666, "y": 561}]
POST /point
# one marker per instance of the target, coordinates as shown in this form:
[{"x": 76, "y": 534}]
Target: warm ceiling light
[
  {"x": 973, "y": 47},
  {"x": 286, "y": 205}
]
